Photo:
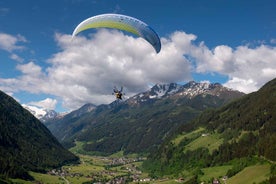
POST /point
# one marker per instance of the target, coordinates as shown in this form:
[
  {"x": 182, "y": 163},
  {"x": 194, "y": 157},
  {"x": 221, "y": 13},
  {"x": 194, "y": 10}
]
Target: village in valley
[
  {"x": 108, "y": 170},
  {"x": 97, "y": 169}
]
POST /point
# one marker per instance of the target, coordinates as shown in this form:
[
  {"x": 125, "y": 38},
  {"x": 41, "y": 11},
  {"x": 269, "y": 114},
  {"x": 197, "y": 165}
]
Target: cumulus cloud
[
  {"x": 16, "y": 58},
  {"x": 31, "y": 80},
  {"x": 47, "y": 103},
  {"x": 86, "y": 68},
  {"x": 256, "y": 65},
  {"x": 247, "y": 68},
  {"x": 10, "y": 42}
]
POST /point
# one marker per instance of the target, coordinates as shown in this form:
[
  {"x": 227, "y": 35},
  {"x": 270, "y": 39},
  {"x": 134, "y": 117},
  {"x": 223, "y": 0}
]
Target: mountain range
[
  {"x": 241, "y": 133},
  {"x": 25, "y": 143},
  {"x": 181, "y": 128},
  {"x": 140, "y": 123}
]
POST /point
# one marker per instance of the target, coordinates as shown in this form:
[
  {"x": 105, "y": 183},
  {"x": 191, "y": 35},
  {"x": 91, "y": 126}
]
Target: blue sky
[{"x": 228, "y": 41}]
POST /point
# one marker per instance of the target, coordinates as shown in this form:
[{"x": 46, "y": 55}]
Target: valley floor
[
  {"x": 120, "y": 169},
  {"x": 96, "y": 169}
]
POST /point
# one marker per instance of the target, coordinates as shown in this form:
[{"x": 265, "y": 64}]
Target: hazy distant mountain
[
  {"x": 25, "y": 143},
  {"x": 140, "y": 123},
  {"x": 242, "y": 130}
]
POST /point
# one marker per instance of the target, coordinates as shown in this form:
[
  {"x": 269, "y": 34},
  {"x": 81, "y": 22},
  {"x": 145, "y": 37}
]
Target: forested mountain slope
[
  {"x": 244, "y": 129},
  {"x": 143, "y": 121},
  {"x": 25, "y": 143}
]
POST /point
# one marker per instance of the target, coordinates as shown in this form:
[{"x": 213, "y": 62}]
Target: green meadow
[
  {"x": 192, "y": 135},
  {"x": 214, "y": 172},
  {"x": 210, "y": 141},
  {"x": 199, "y": 138},
  {"x": 252, "y": 174},
  {"x": 40, "y": 178}
]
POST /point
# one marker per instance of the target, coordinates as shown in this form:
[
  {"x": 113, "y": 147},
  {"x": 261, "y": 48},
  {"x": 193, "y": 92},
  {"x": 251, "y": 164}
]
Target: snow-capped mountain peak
[
  {"x": 161, "y": 90},
  {"x": 41, "y": 113},
  {"x": 45, "y": 115},
  {"x": 193, "y": 89},
  {"x": 189, "y": 90},
  {"x": 36, "y": 111}
]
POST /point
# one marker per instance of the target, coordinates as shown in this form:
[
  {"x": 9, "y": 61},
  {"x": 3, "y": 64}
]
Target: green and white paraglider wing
[{"x": 121, "y": 22}]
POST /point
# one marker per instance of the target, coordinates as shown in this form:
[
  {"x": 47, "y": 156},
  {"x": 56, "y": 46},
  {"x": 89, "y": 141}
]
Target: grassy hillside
[
  {"x": 214, "y": 172},
  {"x": 209, "y": 141},
  {"x": 251, "y": 174}
]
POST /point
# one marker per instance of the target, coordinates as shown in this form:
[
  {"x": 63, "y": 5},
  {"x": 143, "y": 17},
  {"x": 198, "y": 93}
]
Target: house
[{"x": 216, "y": 181}]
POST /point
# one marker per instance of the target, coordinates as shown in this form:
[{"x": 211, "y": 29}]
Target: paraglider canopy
[{"x": 121, "y": 22}]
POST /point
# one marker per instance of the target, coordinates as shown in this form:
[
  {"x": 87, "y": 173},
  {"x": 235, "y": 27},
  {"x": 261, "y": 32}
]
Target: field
[
  {"x": 252, "y": 174},
  {"x": 192, "y": 135},
  {"x": 95, "y": 168},
  {"x": 214, "y": 172},
  {"x": 42, "y": 178},
  {"x": 199, "y": 139},
  {"x": 210, "y": 141},
  {"x": 92, "y": 168}
]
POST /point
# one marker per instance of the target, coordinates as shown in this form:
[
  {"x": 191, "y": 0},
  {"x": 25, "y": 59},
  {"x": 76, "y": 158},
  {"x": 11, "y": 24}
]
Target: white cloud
[
  {"x": 10, "y": 42},
  {"x": 247, "y": 68},
  {"x": 244, "y": 85},
  {"x": 32, "y": 80},
  {"x": 86, "y": 69},
  {"x": 47, "y": 103},
  {"x": 16, "y": 58},
  {"x": 273, "y": 41},
  {"x": 30, "y": 69}
]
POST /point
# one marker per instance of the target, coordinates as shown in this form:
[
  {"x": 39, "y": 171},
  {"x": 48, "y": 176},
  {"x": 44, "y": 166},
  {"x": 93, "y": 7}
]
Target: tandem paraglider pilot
[{"x": 118, "y": 93}]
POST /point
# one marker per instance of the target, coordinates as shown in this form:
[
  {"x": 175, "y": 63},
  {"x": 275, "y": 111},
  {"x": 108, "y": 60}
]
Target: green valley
[
  {"x": 99, "y": 169},
  {"x": 233, "y": 143}
]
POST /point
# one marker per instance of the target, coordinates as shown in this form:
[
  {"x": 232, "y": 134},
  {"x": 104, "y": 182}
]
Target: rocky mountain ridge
[
  {"x": 189, "y": 90},
  {"x": 158, "y": 91}
]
